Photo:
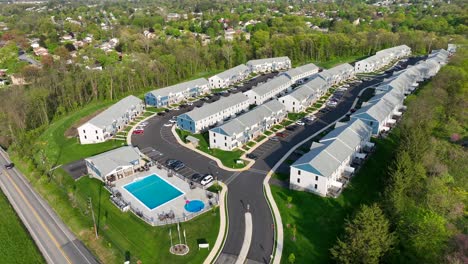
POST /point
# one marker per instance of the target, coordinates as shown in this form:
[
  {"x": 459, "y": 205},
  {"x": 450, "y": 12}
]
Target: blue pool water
[
  {"x": 153, "y": 191},
  {"x": 194, "y": 206}
]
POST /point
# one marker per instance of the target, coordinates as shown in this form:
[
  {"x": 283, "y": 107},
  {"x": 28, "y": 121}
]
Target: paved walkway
[
  {"x": 222, "y": 226},
  {"x": 247, "y": 239}
]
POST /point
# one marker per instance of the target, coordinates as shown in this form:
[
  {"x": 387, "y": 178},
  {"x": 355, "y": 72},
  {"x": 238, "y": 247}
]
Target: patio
[{"x": 169, "y": 212}]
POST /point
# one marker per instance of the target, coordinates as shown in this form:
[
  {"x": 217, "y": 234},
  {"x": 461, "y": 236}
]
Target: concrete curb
[
  {"x": 223, "y": 227},
  {"x": 279, "y": 232},
  {"x": 218, "y": 162},
  {"x": 247, "y": 239},
  {"x": 129, "y": 134}
]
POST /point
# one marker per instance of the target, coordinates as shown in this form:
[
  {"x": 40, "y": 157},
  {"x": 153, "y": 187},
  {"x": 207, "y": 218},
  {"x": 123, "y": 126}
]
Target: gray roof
[
  {"x": 393, "y": 49},
  {"x": 267, "y": 60},
  {"x": 325, "y": 157},
  {"x": 337, "y": 70},
  {"x": 272, "y": 84},
  {"x": 318, "y": 84},
  {"x": 215, "y": 107},
  {"x": 108, "y": 161},
  {"x": 351, "y": 133},
  {"x": 292, "y": 73},
  {"x": 251, "y": 118},
  {"x": 378, "y": 110},
  {"x": 303, "y": 92},
  {"x": 116, "y": 111},
  {"x": 232, "y": 72},
  {"x": 180, "y": 87},
  {"x": 391, "y": 96}
]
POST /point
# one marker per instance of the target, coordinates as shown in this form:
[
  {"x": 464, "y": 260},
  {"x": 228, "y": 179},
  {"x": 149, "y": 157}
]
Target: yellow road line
[{"x": 37, "y": 216}]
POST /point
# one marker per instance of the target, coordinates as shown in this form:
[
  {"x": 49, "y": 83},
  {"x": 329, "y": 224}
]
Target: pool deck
[{"x": 176, "y": 205}]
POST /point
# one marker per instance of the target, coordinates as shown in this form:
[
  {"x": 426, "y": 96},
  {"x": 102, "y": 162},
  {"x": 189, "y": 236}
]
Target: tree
[
  {"x": 367, "y": 237},
  {"x": 292, "y": 258}
]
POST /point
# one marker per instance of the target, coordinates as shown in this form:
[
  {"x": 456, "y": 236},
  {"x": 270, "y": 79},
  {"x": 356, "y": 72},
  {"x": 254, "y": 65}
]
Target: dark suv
[{"x": 9, "y": 166}]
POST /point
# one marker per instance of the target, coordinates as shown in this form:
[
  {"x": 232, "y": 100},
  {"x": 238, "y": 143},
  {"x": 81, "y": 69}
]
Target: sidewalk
[{"x": 223, "y": 226}]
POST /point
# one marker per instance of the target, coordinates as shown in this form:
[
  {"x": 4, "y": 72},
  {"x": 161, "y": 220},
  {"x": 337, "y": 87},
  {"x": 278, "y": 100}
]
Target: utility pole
[{"x": 94, "y": 219}]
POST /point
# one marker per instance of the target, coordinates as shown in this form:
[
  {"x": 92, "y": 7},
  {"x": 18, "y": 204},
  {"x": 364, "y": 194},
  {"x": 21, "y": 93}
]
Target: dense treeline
[
  {"x": 426, "y": 196},
  {"x": 144, "y": 64}
]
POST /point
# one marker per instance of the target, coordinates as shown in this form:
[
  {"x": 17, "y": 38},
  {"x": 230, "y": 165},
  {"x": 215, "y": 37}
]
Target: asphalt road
[
  {"x": 246, "y": 188},
  {"x": 53, "y": 238}
]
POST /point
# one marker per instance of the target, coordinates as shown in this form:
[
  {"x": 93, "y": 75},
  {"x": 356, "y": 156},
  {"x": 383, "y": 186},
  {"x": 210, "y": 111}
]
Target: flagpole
[
  {"x": 178, "y": 230},
  {"x": 170, "y": 235}
]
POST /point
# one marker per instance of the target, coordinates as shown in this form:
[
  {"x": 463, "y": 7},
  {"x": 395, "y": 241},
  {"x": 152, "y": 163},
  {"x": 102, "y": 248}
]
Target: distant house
[
  {"x": 269, "y": 64},
  {"x": 381, "y": 59},
  {"x": 114, "y": 164},
  {"x": 172, "y": 17},
  {"x": 327, "y": 167},
  {"x": 229, "y": 77},
  {"x": 238, "y": 131},
  {"x": 176, "y": 93},
  {"x": 265, "y": 91},
  {"x": 337, "y": 74},
  {"x": 107, "y": 123},
  {"x": 201, "y": 119},
  {"x": 301, "y": 72},
  {"x": 304, "y": 96},
  {"x": 440, "y": 56}
]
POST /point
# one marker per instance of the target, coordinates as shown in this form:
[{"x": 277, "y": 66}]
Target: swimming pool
[
  {"x": 153, "y": 191},
  {"x": 194, "y": 206}
]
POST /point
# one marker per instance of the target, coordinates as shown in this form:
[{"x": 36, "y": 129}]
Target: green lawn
[
  {"x": 268, "y": 133},
  {"x": 260, "y": 138},
  {"x": 280, "y": 176},
  {"x": 333, "y": 62},
  {"x": 62, "y": 150},
  {"x": 16, "y": 245},
  {"x": 286, "y": 122},
  {"x": 228, "y": 158},
  {"x": 296, "y": 116},
  {"x": 319, "y": 221},
  {"x": 251, "y": 143}
]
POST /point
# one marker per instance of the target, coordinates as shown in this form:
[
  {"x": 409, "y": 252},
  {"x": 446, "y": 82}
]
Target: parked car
[
  {"x": 324, "y": 110},
  {"x": 9, "y": 166},
  {"x": 280, "y": 134},
  {"x": 207, "y": 179},
  {"x": 251, "y": 156},
  {"x": 169, "y": 162},
  {"x": 189, "y": 103},
  {"x": 352, "y": 110},
  {"x": 291, "y": 128},
  {"x": 166, "y": 110},
  {"x": 196, "y": 177},
  {"x": 177, "y": 166},
  {"x": 143, "y": 124},
  {"x": 311, "y": 117},
  {"x": 274, "y": 139},
  {"x": 161, "y": 113},
  {"x": 138, "y": 131},
  {"x": 172, "y": 121},
  {"x": 168, "y": 124},
  {"x": 300, "y": 123}
]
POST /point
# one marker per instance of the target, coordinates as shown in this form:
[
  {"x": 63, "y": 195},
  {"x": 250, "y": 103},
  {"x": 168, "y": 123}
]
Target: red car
[
  {"x": 138, "y": 131},
  {"x": 279, "y": 134}
]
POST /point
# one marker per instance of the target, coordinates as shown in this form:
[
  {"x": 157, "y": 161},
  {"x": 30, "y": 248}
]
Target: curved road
[
  {"x": 53, "y": 238},
  {"x": 245, "y": 188}
]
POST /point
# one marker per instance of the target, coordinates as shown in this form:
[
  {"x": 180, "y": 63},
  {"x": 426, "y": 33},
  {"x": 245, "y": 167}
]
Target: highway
[{"x": 53, "y": 238}]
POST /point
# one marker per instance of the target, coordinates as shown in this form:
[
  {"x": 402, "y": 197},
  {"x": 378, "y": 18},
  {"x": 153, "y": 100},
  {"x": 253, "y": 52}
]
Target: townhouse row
[
  {"x": 240, "y": 130},
  {"x": 329, "y": 165},
  {"x": 381, "y": 59},
  {"x": 112, "y": 120}
]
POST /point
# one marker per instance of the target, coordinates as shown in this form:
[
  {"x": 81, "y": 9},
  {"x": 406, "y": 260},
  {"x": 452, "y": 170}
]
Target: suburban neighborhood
[{"x": 233, "y": 132}]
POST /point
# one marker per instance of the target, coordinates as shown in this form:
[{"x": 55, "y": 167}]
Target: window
[
  {"x": 214, "y": 141},
  {"x": 85, "y": 137},
  {"x": 225, "y": 138},
  {"x": 371, "y": 123},
  {"x": 298, "y": 172},
  {"x": 316, "y": 178},
  {"x": 225, "y": 144},
  {"x": 298, "y": 180},
  {"x": 96, "y": 131},
  {"x": 84, "y": 131},
  {"x": 315, "y": 186},
  {"x": 97, "y": 137}
]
